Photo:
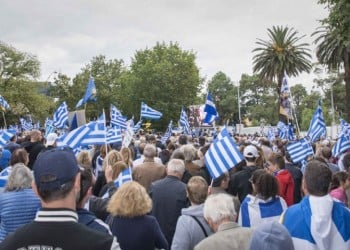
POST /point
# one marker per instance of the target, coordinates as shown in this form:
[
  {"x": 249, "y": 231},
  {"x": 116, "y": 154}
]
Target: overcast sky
[{"x": 66, "y": 34}]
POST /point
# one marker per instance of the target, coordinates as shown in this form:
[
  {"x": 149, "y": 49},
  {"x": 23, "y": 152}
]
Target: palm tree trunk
[{"x": 347, "y": 82}]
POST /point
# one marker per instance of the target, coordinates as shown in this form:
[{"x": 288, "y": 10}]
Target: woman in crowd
[
  {"x": 84, "y": 159},
  {"x": 340, "y": 183},
  {"x": 264, "y": 204},
  {"x": 18, "y": 203},
  {"x": 129, "y": 221}
]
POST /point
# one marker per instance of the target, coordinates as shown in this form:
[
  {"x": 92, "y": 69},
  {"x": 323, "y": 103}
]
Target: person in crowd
[
  {"x": 57, "y": 183},
  {"x": 191, "y": 168},
  {"x": 18, "y": 203},
  {"x": 129, "y": 221},
  {"x": 85, "y": 216},
  {"x": 220, "y": 214},
  {"x": 12, "y": 145},
  {"x": 191, "y": 226},
  {"x": 339, "y": 184},
  {"x": 297, "y": 176},
  {"x": 276, "y": 167},
  {"x": 264, "y": 204},
  {"x": 51, "y": 141},
  {"x": 169, "y": 197},
  {"x": 127, "y": 156},
  {"x": 325, "y": 153},
  {"x": 318, "y": 222},
  {"x": 110, "y": 159},
  {"x": 111, "y": 174},
  {"x": 18, "y": 156},
  {"x": 182, "y": 140},
  {"x": 271, "y": 236},
  {"x": 141, "y": 160},
  {"x": 98, "y": 158},
  {"x": 35, "y": 146},
  {"x": 239, "y": 183},
  {"x": 220, "y": 184},
  {"x": 84, "y": 159},
  {"x": 149, "y": 170},
  {"x": 346, "y": 162}
]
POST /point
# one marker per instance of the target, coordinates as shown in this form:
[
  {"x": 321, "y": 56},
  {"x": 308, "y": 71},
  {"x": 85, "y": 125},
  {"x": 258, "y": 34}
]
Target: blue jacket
[
  {"x": 17, "y": 209},
  {"x": 89, "y": 219}
]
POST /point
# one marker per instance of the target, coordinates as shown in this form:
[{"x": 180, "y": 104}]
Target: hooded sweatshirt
[
  {"x": 188, "y": 232},
  {"x": 286, "y": 186}
]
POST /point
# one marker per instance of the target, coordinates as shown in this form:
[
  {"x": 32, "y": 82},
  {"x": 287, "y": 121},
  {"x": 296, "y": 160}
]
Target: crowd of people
[{"x": 53, "y": 198}]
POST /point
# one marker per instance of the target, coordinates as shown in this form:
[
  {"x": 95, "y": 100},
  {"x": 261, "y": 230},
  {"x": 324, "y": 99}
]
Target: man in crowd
[{"x": 57, "y": 183}]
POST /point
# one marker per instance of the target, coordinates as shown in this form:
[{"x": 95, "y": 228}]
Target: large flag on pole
[
  {"x": 167, "y": 133},
  {"x": 117, "y": 118},
  {"x": 5, "y": 136},
  {"x": 97, "y": 134},
  {"x": 60, "y": 117},
  {"x": 4, "y": 103},
  {"x": 222, "y": 155},
  {"x": 184, "y": 122},
  {"x": 210, "y": 110},
  {"x": 300, "y": 150},
  {"x": 317, "y": 125},
  {"x": 149, "y": 113},
  {"x": 90, "y": 93},
  {"x": 343, "y": 142}
]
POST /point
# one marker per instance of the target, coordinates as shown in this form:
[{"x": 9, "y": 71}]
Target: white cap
[
  {"x": 51, "y": 138},
  {"x": 250, "y": 151}
]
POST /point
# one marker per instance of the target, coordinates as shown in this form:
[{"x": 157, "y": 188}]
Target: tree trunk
[{"x": 347, "y": 83}]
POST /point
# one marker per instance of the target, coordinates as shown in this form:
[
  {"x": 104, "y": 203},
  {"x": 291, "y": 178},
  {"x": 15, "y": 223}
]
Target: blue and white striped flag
[
  {"x": 114, "y": 135},
  {"x": 97, "y": 134},
  {"x": 300, "y": 150},
  {"x": 26, "y": 125},
  {"x": 73, "y": 138},
  {"x": 124, "y": 177},
  {"x": 4, "y": 103},
  {"x": 184, "y": 122},
  {"x": 149, "y": 113},
  {"x": 5, "y": 136},
  {"x": 117, "y": 118},
  {"x": 36, "y": 125},
  {"x": 137, "y": 126},
  {"x": 342, "y": 144},
  {"x": 210, "y": 110},
  {"x": 222, "y": 155},
  {"x": 270, "y": 134},
  {"x": 49, "y": 128},
  {"x": 167, "y": 133},
  {"x": 4, "y": 175},
  {"x": 60, "y": 117},
  {"x": 285, "y": 131},
  {"x": 317, "y": 125},
  {"x": 254, "y": 211}
]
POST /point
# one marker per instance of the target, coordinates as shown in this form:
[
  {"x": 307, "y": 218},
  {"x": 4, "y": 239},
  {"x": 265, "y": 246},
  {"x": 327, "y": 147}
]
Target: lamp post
[{"x": 239, "y": 110}]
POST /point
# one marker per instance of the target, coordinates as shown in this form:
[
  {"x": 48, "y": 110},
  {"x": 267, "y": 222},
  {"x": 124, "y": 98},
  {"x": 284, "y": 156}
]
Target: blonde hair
[
  {"x": 117, "y": 168},
  {"x": 84, "y": 158},
  {"x": 111, "y": 158},
  {"x": 130, "y": 200},
  {"x": 127, "y": 156}
]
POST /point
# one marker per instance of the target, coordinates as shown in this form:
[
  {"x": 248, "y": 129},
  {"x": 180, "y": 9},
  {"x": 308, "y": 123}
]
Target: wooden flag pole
[{"x": 3, "y": 116}]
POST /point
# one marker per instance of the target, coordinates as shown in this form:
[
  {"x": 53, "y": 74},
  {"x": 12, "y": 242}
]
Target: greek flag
[
  {"x": 167, "y": 133},
  {"x": 114, "y": 135},
  {"x": 36, "y": 125},
  {"x": 137, "y": 126},
  {"x": 60, "y": 117},
  {"x": 222, "y": 155},
  {"x": 255, "y": 211},
  {"x": 117, "y": 118},
  {"x": 26, "y": 125},
  {"x": 49, "y": 128},
  {"x": 124, "y": 177},
  {"x": 342, "y": 144},
  {"x": 317, "y": 125},
  {"x": 73, "y": 138},
  {"x": 285, "y": 131},
  {"x": 184, "y": 122},
  {"x": 300, "y": 150},
  {"x": 5, "y": 136},
  {"x": 97, "y": 133},
  {"x": 270, "y": 134},
  {"x": 4, "y": 103},
  {"x": 4, "y": 175},
  {"x": 149, "y": 113},
  {"x": 90, "y": 93},
  {"x": 210, "y": 110}
]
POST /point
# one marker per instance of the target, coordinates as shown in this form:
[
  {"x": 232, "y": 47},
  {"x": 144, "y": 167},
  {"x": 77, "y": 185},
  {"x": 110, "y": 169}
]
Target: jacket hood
[{"x": 196, "y": 210}]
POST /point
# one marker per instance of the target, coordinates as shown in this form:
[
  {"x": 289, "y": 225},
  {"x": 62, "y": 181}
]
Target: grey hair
[
  {"x": 20, "y": 178},
  {"x": 150, "y": 151},
  {"x": 218, "y": 207},
  {"x": 189, "y": 152},
  {"x": 176, "y": 166}
]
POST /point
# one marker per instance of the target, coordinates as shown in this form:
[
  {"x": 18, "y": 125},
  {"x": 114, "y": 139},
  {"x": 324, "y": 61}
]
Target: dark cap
[{"x": 55, "y": 167}]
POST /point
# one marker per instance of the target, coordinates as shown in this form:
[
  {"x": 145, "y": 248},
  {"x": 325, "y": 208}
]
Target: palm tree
[
  {"x": 333, "y": 50},
  {"x": 281, "y": 54}
]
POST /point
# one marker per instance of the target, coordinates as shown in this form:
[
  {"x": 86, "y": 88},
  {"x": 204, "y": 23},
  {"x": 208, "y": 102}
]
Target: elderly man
[
  {"x": 220, "y": 214},
  {"x": 149, "y": 170},
  {"x": 318, "y": 222},
  {"x": 57, "y": 183},
  {"x": 169, "y": 197}
]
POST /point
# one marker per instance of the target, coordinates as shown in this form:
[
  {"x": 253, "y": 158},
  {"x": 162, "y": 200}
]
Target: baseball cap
[
  {"x": 250, "y": 151},
  {"x": 55, "y": 167},
  {"x": 51, "y": 138}
]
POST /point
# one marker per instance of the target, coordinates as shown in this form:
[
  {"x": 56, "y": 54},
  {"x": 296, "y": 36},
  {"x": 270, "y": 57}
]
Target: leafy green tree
[
  {"x": 166, "y": 78},
  {"x": 225, "y": 95},
  {"x": 333, "y": 41},
  {"x": 282, "y": 53},
  {"x": 299, "y": 93}
]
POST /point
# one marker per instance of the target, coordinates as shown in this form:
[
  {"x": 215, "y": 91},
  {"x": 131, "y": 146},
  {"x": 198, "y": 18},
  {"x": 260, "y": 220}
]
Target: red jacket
[{"x": 286, "y": 186}]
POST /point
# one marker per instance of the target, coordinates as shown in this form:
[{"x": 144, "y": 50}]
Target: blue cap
[{"x": 55, "y": 167}]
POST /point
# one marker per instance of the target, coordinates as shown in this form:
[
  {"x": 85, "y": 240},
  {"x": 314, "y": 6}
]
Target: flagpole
[
  {"x": 3, "y": 116},
  {"x": 104, "y": 115}
]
